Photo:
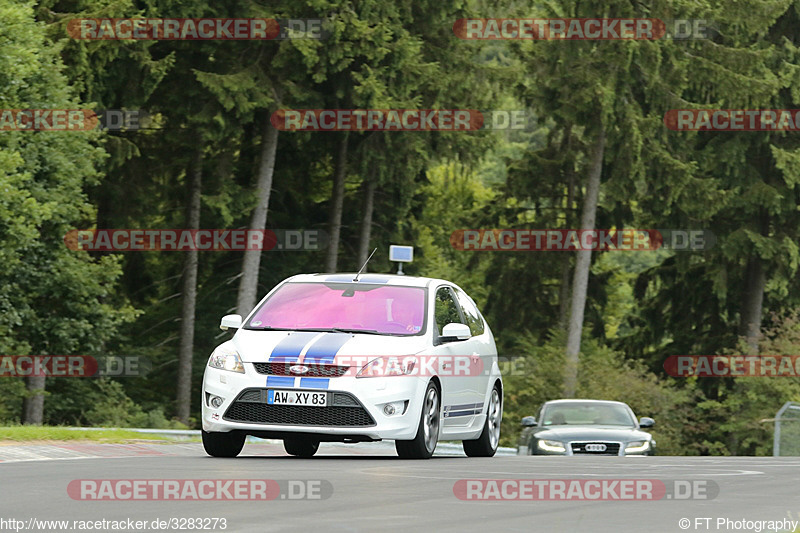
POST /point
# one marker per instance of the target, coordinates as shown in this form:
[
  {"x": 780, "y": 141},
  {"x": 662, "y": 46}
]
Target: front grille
[
  {"x": 344, "y": 400},
  {"x": 314, "y": 370},
  {"x": 343, "y": 410},
  {"x": 579, "y": 448},
  {"x": 253, "y": 395}
]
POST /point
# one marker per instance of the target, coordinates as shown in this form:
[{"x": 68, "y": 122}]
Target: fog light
[
  {"x": 216, "y": 401},
  {"x": 395, "y": 408}
]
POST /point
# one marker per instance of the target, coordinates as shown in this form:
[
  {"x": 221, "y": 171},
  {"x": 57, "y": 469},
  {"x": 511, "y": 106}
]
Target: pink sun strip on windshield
[{"x": 385, "y": 309}]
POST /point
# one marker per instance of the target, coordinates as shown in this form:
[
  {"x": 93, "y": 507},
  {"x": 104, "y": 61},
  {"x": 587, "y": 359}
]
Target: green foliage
[
  {"x": 53, "y": 300},
  {"x": 449, "y": 184},
  {"x": 742, "y": 411},
  {"x": 111, "y": 407}
]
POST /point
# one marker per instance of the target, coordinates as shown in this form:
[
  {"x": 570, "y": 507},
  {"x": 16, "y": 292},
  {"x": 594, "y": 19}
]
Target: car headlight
[
  {"x": 388, "y": 366},
  {"x": 226, "y": 359},
  {"x": 552, "y": 446},
  {"x": 637, "y": 446}
]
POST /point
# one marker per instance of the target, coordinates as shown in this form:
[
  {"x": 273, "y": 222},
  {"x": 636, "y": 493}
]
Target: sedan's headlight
[
  {"x": 552, "y": 446},
  {"x": 637, "y": 446},
  {"x": 226, "y": 359}
]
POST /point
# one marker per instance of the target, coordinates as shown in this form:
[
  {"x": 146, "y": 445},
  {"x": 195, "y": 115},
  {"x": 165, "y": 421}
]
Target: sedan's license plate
[{"x": 291, "y": 397}]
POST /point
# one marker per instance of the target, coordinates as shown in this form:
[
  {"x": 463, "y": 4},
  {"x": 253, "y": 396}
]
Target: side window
[
  {"x": 471, "y": 314},
  {"x": 446, "y": 310}
]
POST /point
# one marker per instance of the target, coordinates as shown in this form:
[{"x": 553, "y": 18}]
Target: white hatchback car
[{"x": 328, "y": 357}]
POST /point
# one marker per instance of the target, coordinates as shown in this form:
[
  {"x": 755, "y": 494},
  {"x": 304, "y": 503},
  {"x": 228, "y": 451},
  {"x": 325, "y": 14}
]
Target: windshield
[
  {"x": 369, "y": 308},
  {"x": 587, "y": 413}
]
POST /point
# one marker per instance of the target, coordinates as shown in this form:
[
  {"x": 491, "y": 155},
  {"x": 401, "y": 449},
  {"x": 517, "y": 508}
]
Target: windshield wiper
[
  {"x": 348, "y": 330},
  {"x": 344, "y": 330},
  {"x": 267, "y": 328}
]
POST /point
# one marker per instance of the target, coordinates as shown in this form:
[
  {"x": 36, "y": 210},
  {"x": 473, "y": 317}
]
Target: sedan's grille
[
  {"x": 595, "y": 448},
  {"x": 314, "y": 370},
  {"x": 343, "y": 410}
]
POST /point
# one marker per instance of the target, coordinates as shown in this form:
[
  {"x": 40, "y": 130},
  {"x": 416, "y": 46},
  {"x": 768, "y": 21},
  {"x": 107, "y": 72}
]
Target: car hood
[
  {"x": 258, "y": 346},
  {"x": 601, "y": 433}
]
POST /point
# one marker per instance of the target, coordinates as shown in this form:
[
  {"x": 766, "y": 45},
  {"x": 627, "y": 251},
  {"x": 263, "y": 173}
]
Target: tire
[
  {"x": 486, "y": 444},
  {"x": 424, "y": 444},
  {"x": 219, "y": 444},
  {"x": 301, "y": 447}
]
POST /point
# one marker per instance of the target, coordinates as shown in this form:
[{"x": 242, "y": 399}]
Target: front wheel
[
  {"x": 423, "y": 445},
  {"x": 301, "y": 447},
  {"x": 219, "y": 444},
  {"x": 486, "y": 444}
]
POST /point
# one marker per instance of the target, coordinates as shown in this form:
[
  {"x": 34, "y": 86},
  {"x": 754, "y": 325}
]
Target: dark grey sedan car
[{"x": 585, "y": 427}]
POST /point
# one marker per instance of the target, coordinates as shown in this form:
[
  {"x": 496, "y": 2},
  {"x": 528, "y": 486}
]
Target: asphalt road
[{"x": 367, "y": 488}]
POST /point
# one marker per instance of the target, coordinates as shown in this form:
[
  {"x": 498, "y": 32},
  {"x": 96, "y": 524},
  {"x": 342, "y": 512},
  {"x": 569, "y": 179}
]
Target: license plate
[{"x": 292, "y": 397}]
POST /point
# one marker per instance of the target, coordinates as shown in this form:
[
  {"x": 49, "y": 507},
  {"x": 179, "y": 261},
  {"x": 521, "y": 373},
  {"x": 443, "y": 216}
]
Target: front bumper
[{"x": 355, "y": 411}]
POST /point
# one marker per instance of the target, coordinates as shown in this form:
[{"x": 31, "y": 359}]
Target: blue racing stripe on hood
[
  {"x": 325, "y": 349},
  {"x": 288, "y": 349}
]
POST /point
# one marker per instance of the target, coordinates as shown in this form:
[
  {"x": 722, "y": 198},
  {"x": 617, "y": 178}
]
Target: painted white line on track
[{"x": 71, "y": 451}]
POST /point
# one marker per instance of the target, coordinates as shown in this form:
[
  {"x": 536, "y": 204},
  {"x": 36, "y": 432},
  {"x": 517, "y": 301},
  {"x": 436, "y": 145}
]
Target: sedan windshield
[
  {"x": 348, "y": 307},
  {"x": 587, "y": 413}
]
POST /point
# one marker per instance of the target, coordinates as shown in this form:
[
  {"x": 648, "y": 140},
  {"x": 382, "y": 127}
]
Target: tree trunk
[
  {"x": 752, "y": 303},
  {"x": 337, "y": 203},
  {"x": 583, "y": 261},
  {"x": 33, "y": 404},
  {"x": 366, "y": 221},
  {"x": 566, "y": 266},
  {"x": 563, "y": 293},
  {"x": 189, "y": 297},
  {"x": 251, "y": 263}
]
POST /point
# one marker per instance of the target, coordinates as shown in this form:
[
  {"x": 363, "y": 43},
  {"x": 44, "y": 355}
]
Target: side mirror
[
  {"x": 230, "y": 321},
  {"x": 646, "y": 422},
  {"x": 528, "y": 421},
  {"x": 455, "y": 332}
]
